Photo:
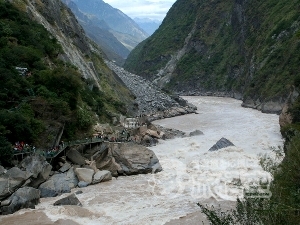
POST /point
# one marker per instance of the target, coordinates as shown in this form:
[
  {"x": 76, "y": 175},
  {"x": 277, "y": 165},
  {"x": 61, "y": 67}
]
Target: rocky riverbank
[
  {"x": 23, "y": 185},
  {"x": 33, "y": 178},
  {"x": 274, "y": 105}
]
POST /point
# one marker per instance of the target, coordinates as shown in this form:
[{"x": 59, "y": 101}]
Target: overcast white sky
[{"x": 154, "y": 9}]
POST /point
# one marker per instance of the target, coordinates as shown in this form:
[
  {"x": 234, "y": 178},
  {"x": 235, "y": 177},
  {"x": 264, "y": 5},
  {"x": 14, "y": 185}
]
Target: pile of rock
[
  {"x": 150, "y": 100},
  {"x": 22, "y": 187}
]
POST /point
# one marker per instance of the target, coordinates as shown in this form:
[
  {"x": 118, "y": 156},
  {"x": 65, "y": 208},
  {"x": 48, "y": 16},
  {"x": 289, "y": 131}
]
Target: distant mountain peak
[
  {"x": 148, "y": 24},
  {"x": 115, "y": 32}
]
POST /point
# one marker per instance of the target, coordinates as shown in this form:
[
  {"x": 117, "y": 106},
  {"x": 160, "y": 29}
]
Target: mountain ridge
[
  {"x": 120, "y": 26},
  {"x": 99, "y": 31},
  {"x": 55, "y": 81},
  {"x": 234, "y": 50},
  {"x": 147, "y": 24}
]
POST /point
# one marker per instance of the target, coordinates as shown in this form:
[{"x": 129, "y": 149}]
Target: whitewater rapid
[{"x": 190, "y": 173}]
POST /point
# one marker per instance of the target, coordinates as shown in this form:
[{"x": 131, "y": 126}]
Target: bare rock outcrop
[{"x": 285, "y": 118}]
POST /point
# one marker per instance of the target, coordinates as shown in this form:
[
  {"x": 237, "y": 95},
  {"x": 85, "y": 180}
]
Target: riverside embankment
[{"x": 190, "y": 172}]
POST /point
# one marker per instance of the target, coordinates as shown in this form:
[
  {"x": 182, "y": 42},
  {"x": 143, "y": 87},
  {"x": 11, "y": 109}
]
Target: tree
[{"x": 6, "y": 152}]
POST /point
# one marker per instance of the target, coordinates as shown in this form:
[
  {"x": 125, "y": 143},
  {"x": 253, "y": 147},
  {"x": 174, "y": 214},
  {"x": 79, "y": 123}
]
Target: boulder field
[{"x": 33, "y": 178}]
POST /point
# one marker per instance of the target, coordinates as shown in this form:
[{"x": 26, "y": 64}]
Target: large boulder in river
[
  {"x": 13, "y": 179},
  {"x": 128, "y": 158},
  {"x": 195, "y": 133},
  {"x": 39, "y": 167},
  {"x": 105, "y": 160},
  {"x": 26, "y": 197},
  {"x": 69, "y": 200},
  {"x": 222, "y": 143}
]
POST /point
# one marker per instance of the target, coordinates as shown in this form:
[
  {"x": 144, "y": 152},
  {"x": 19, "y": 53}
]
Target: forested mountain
[
  {"x": 54, "y": 80},
  {"x": 246, "y": 49}
]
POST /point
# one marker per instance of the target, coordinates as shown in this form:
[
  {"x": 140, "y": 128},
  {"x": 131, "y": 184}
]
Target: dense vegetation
[
  {"x": 50, "y": 95},
  {"x": 251, "y": 47}
]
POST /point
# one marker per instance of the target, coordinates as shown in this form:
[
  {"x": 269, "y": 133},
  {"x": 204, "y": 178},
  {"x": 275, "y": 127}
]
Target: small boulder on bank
[
  {"x": 69, "y": 200},
  {"x": 56, "y": 185},
  {"x": 65, "y": 167},
  {"x": 102, "y": 176},
  {"x": 222, "y": 143},
  {"x": 84, "y": 174},
  {"x": 13, "y": 179},
  {"x": 82, "y": 184}
]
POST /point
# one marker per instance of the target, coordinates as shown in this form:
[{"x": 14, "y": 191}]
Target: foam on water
[{"x": 190, "y": 173}]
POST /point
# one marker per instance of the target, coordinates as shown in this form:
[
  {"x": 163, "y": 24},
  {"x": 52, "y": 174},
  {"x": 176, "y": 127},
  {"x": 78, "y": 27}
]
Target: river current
[{"x": 190, "y": 173}]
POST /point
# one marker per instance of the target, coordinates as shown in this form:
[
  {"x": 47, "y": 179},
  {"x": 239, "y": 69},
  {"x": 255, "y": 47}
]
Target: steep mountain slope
[
  {"x": 99, "y": 32},
  {"x": 77, "y": 48},
  {"x": 121, "y": 26},
  {"x": 243, "y": 48},
  {"x": 54, "y": 81}
]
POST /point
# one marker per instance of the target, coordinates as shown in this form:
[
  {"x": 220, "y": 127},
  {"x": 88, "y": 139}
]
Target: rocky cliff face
[
  {"x": 120, "y": 25},
  {"x": 62, "y": 24},
  {"x": 78, "y": 50},
  {"x": 235, "y": 47},
  {"x": 100, "y": 32}
]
